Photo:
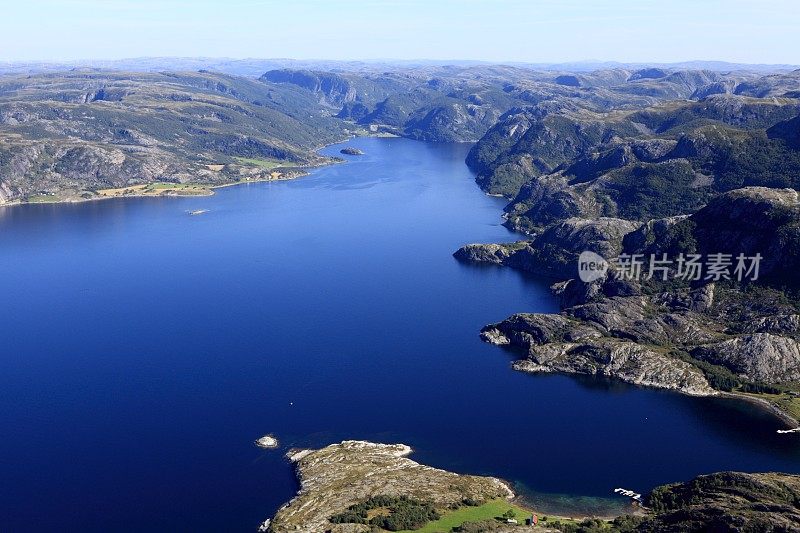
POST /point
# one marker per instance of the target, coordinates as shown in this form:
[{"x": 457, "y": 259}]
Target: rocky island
[
  {"x": 351, "y": 151},
  {"x": 267, "y": 441}
]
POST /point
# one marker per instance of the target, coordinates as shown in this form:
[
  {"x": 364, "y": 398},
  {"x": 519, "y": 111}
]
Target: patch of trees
[
  {"x": 396, "y": 513},
  {"x": 723, "y": 379},
  {"x": 648, "y": 190},
  {"x": 621, "y": 524},
  {"x": 758, "y": 161}
]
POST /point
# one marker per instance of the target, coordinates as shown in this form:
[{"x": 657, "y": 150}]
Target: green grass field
[
  {"x": 43, "y": 199},
  {"x": 175, "y": 186},
  {"x": 487, "y": 511},
  {"x": 268, "y": 164},
  {"x": 157, "y": 188},
  {"x": 787, "y": 403}
]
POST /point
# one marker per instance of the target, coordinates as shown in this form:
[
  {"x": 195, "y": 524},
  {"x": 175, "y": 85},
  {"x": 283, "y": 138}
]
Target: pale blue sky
[{"x": 502, "y": 30}]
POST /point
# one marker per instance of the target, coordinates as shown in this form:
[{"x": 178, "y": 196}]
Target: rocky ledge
[
  {"x": 340, "y": 475},
  {"x": 554, "y": 251}
]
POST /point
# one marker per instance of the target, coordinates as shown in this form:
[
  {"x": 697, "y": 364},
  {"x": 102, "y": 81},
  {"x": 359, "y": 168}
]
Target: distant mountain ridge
[
  {"x": 255, "y": 67},
  {"x": 590, "y": 138}
]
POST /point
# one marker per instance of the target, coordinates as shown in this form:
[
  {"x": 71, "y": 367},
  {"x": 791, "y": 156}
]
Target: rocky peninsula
[
  {"x": 341, "y": 475},
  {"x": 700, "y": 338},
  {"x": 343, "y": 483}
]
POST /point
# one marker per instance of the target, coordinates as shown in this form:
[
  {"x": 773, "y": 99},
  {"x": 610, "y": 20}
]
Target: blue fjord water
[{"x": 143, "y": 350}]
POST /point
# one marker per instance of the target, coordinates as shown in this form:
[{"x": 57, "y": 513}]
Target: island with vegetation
[{"x": 351, "y": 151}]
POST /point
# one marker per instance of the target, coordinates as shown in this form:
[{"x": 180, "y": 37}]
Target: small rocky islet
[
  {"x": 267, "y": 442},
  {"x": 351, "y": 151}
]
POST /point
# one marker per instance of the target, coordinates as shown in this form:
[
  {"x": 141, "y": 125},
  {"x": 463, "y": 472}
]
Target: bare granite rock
[
  {"x": 340, "y": 475},
  {"x": 267, "y": 441},
  {"x": 555, "y": 251},
  {"x": 783, "y": 323},
  {"x": 562, "y": 343},
  {"x": 761, "y": 357},
  {"x": 664, "y": 334},
  {"x": 627, "y": 361}
]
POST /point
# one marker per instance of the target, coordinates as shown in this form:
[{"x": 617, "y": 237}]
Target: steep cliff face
[
  {"x": 612, "y": 143},
  {"x": 439, "y": 104},
  {"x": 465, "y": 121},
  {"x": 451, "y": 103},
  {"x": 333, "y": 88},
  {"x": 530, "y": 142},
  {"x": 749, "y": 221}
]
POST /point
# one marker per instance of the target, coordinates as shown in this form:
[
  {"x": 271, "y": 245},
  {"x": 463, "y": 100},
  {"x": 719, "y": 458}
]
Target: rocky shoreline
[
  {"x": 340, "y": 475},
  {"x": 706, "y": 338},
  {"x": 182, "y": 190}
]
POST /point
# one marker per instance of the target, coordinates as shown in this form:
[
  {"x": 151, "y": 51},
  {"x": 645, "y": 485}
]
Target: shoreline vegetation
[
  {"x": 367, "y": 487},
  {"x": 715, "y": 338},
  {"x": 276, "y": 171},
  {"x": 163, "y": 189},
  {"x": 354, "y": 486},
  {"x": 789, "y": 415}
]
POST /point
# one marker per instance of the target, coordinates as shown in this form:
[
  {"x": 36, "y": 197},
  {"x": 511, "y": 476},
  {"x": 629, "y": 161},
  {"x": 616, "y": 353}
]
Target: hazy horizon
[
  {"x": 387, "y": 60},
  {"x": 510, "y": 31}
]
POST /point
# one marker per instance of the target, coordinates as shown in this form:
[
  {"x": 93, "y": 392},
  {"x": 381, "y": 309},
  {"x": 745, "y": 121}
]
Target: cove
[{"x": 144, "y": 350}]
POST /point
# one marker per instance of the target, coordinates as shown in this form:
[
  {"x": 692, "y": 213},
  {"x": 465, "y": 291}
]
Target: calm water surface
[{"x": 143, "y": 350}]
